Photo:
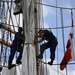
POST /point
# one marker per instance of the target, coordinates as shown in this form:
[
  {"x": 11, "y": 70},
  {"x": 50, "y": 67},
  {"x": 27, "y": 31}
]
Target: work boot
[
  {"x": 1, "y": 69},
  {"x": 51, "y": 62},
  {"x": 10, "y": 66},
  {"x": 40, "y": 57},
  {"x": 18, "y": 9},
  {"x": 18, "y": 62}
]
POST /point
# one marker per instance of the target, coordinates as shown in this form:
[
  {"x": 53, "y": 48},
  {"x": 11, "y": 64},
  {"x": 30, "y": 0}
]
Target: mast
[{"x": 36, "y": 33}]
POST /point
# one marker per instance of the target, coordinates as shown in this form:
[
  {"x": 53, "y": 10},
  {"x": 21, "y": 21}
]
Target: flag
[{"x": 70, "y": 50}]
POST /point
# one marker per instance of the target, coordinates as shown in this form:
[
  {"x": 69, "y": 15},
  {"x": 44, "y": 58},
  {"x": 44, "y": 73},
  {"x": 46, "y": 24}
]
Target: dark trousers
[
  {"x": 13, "y": 50},
  {"x": 52, "y": 47}
]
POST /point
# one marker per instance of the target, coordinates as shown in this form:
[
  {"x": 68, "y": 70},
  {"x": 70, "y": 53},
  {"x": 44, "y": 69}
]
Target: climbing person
[
  {"x": 51, "y": 43},
  {"x": 17, "y": 45},
  {"x": 18, "y": 7}
]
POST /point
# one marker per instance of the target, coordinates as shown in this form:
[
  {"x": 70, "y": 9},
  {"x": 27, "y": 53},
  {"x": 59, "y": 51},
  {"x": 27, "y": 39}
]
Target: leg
[
  {"x": 20, "y": 55},
  {"x": 42, "y": 49},
  {"x": 11, "y": 55},
  {"x": 1, "y": 69},
  {"x": 52, "y": 50}
]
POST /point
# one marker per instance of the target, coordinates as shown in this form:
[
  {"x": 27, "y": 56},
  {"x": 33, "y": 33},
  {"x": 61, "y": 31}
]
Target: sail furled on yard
[
  {"x": 29, "y": 55},
  {"x": 28, "y": 16}
]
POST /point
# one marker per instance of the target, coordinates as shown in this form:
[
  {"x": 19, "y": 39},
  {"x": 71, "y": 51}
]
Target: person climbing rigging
[
  {"x": 18, "y": 7},
  {"x": 51, "y": 43},
  {"x": 17, "y": 45}
]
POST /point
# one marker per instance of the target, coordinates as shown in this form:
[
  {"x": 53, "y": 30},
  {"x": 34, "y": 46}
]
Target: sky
[{"x": 52, "y": 18}]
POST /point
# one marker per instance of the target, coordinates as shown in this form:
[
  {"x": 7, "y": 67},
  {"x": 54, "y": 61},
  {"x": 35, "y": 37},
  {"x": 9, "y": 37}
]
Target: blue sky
[{"x": 50, "y": 21}]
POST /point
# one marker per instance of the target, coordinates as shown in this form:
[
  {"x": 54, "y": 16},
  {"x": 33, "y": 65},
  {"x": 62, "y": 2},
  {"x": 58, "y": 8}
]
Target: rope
[
  {"x": 54, "y": 64},
  {"x": 57, "y": 27},
  {"x": 7, "y": 66},
  {"x": 53, "y": 6}
]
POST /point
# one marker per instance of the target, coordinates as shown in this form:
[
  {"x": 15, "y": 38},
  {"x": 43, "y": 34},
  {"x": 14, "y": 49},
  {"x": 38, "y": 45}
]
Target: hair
[
  {"x": 20, "y": 29},
  {"x": 40, "y": 30}
]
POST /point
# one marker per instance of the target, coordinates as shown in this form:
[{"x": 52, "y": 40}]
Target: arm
[
  {"x": 39, "y": 40},
  {"x": 19, "y": 36},
  {"x": 22, "y": 37},
  {"x": 35, "y": 42},
  {"x": 37, "y": 36}
]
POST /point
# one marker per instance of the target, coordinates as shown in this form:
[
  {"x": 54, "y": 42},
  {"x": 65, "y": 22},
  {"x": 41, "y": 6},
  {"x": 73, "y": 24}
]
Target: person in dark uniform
[
  {"x": 17, "y": 45},
  {"x": 18, "y": 7},
  {"x": 51, "y": 43}
]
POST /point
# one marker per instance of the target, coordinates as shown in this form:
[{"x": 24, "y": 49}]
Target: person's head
[
  {"x": 41, "y": 32},
  {"x": 20, "y": 29}
]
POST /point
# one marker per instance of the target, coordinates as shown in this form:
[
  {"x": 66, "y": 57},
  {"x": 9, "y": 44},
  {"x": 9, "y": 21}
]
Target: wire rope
[
  {"x": 57, "y": 27},
  {"x": 53, "y": 6}
]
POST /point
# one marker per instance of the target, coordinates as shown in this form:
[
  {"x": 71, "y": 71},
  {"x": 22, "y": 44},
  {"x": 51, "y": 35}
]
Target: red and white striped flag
[{"x": 69, "y": 54}]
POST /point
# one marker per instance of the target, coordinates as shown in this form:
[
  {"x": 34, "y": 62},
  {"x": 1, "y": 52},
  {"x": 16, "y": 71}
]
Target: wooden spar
[
  {"x": 36, "y": 33},
  {"x": 7, "y": 28},
  {"x": 5, "y": 43}
]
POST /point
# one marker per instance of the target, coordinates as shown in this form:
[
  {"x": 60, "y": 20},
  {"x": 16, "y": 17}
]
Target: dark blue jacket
[
  {"x": 17, "y": 41},
  {"x": 49, "y": 36}
]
